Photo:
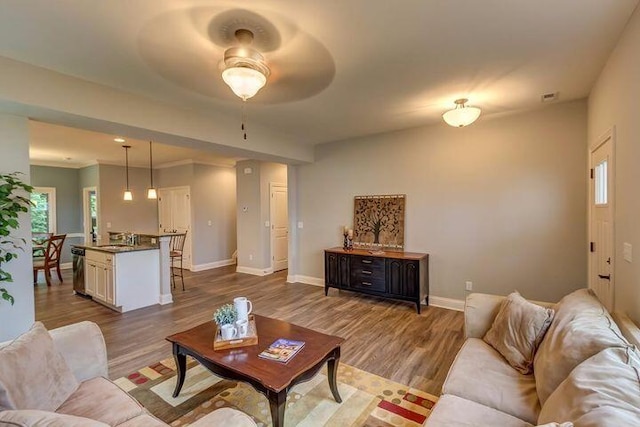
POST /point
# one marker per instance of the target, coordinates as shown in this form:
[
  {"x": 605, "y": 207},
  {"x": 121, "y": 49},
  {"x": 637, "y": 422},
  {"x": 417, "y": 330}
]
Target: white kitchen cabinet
[{"x": 123, "y": 280}]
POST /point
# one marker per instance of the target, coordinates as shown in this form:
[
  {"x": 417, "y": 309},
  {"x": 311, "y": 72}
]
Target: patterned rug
[{"x": 367, "y": 400}]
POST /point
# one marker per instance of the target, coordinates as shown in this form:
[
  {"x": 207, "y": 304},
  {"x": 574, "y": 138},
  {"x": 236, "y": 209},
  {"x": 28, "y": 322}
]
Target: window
[
  {"x": 601, "y": 183},
  {"x": 43, "y": 210}
]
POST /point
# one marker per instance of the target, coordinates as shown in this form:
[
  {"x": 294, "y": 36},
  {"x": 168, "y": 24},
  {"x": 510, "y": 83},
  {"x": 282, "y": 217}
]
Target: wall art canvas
[{"x": 379, "y": 221}]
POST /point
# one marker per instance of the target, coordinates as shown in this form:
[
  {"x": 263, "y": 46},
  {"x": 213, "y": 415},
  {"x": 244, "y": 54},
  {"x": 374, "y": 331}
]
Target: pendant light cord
[
  {"x": 150, "y": 164},
  {"x": 244, "y": 120},
  {"x": 126, "y": 161}
]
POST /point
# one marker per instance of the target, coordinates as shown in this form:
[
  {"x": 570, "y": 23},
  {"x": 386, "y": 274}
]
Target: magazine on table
[{"x": 282, "y": 350}]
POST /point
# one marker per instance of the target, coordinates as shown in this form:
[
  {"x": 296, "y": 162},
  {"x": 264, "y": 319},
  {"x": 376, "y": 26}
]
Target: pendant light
[
  {"x": 462, "y": 115},
  {"x": 151, "y": 192},
  {"x": 127, "y": 193}
]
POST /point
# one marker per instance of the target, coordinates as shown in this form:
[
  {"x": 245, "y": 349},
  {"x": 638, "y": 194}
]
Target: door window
[{"x": 600, "y": 178}]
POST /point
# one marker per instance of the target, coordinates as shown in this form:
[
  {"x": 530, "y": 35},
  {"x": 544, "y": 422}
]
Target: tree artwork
[{"x": 379, "y": 221}]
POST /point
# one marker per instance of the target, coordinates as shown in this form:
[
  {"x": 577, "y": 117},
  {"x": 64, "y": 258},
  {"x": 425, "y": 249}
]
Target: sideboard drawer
[{"x": 368, "y": 273}]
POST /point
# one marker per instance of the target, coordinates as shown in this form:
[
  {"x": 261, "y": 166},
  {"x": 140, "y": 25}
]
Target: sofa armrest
[
  {"x": 481, "y": 309},
  {"x": 83, "y": 348}
]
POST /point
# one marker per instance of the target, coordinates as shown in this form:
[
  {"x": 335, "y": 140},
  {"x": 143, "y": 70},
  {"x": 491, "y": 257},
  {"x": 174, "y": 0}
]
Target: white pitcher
[{"x": 243, "y": 307}]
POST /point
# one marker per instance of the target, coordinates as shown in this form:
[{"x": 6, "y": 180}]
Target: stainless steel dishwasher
[{"x": 78, "y": 270}]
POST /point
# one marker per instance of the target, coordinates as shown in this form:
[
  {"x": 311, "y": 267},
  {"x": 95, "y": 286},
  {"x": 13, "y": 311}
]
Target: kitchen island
[{"x": 123, "y": 277}]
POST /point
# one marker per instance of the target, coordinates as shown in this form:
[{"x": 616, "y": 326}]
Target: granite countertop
[{"x": 117, "y": 249}]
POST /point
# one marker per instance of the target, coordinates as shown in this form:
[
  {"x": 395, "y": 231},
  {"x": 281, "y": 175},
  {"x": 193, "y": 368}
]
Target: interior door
[
  {"x": 279, "y": 227},
  {"x": 601, "y": 259},
  {"x": 174, "y": 214}
]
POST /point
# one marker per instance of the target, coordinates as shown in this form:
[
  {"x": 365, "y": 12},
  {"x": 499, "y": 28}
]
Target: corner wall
[
  {"x": 501, "y": 203},
  {"x": 18, "y": 318},
  {"x": 614, "y": 103}
]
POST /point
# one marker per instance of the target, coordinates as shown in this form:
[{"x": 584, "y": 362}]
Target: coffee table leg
[
  {"x": 332, "y": 368},
  {"x": 277, "y": 402},
  {"x": 181, "y": 364}
]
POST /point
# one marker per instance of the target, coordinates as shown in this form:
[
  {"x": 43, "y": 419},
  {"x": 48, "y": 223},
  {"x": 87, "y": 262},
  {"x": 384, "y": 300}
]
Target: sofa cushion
[
  {"x": 604, "y": 391},
  {"x": 581, "y": 328},
  {"x": 33, "y": 375},
  {"x": 144, "y": 420},
  {"x": 102, "y": 400},
  {"x": 456, "y": 411},
  {"x": 479, "y": 373},
  {"x": 37, "y": 418},
  {"x": 225, "y": 417},
  {"x": 517, "y": 331}
]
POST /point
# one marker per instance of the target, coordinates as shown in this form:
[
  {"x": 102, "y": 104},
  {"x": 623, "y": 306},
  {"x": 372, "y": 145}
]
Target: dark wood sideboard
[{"x": 397, "y": 275}]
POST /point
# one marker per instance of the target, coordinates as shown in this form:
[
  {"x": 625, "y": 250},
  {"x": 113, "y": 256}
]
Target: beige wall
[
  {"x": 614, "y": 102},
  {"x": 254, "y": 244},
  {"x": 213, "y": 198},
  {"x": 501, "y": 203},
  {"x": 138, "y": 215},
  {"x": 17, "y": 318}
]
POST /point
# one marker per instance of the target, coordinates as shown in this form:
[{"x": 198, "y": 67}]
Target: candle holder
[
  {"x": 345, "y": 244},
  {"x": 349, "y": 243}
]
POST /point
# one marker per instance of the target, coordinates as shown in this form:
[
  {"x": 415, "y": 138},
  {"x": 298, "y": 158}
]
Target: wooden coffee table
[{"x": 273, "y": 379}]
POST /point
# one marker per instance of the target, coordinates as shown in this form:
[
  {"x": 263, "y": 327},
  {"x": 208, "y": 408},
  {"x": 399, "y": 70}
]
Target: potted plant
[
  {"x": 14, "y": 200},
  {"x": 225, "y": 315}
]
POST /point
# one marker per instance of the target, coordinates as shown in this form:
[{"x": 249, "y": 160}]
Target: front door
[
  {"x": 279, "y": 227},
  {"x": 601, "y": 261}
]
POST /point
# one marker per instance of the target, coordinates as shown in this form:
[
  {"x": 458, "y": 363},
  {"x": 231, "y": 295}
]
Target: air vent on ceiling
[{"x": 549, "y": 97}]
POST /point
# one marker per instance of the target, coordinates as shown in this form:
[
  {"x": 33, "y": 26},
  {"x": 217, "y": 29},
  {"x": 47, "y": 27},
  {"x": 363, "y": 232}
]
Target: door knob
[{"x": 607, "y": 277}]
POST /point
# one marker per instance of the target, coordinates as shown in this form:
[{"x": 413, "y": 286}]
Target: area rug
[{"x": 367, "y": 399}]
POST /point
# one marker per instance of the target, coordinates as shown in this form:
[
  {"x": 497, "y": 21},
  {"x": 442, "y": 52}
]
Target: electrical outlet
[
  {"x": 627, "y": 252},
  {"x": 250, "y": 257},
  {"x": 468, "y": 285}
]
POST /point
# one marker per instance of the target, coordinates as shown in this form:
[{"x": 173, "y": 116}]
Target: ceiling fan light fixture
[
  {"x": 245, "y": 82},
  {"x": 462, "y": 115},
  {"x": 245, "y": 70}
]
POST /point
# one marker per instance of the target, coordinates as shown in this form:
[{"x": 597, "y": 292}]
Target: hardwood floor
[{"x": 383, "y": 337}]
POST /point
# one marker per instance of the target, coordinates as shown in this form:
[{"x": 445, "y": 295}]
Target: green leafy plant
[
  {"x": 14, "y": 200},
  {"x": 225, "y": 314}
]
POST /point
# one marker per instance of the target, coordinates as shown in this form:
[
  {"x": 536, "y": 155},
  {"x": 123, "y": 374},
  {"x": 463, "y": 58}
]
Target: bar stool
[{"x": 176, "y": 249}]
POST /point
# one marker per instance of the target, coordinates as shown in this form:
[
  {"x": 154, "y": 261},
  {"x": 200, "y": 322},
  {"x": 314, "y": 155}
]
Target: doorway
[
  {"x": 174, "y": 215},
  {"x": 601, "y": 219},
  {"x": 279, "y": 226}
]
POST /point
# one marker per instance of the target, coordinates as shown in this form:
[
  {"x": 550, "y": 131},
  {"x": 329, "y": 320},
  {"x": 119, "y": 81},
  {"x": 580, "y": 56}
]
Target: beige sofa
[
  {"x": 585, "y": 372},
  {"x": 59, "y": 378}
]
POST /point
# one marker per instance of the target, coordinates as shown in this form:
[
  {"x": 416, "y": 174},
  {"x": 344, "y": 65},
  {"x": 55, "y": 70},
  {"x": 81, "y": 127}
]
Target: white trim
[
  {"x": 212, "y": 265},
  {"x": 448, "y": 303},
  {"x": 61, "y": 164},
  {"x": 66, "y": 265},
  {"x": 165, "y": 299},
  {"x": 74, "y": 235},
  {"x": 254, "y": 271},
  {"x": 308, "y": 280}
]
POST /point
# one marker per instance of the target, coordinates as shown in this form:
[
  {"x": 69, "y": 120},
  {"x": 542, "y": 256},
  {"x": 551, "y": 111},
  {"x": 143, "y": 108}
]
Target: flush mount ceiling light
[
  {"x": 245, "y": 70},
  {"x": 127, "y": 193},
  {"x": 118, "y": 139},
  {"x": 462, "y": 115}
]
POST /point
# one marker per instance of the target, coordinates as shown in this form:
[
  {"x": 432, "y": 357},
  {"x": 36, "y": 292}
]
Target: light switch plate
[
  {"x": 248, "y": 171},
  {"x": 300, "y": 224},
  {"x": 267, "y": 224},
  {"x": 627, "y": 252},
  {"x": 108, "y": 225}
]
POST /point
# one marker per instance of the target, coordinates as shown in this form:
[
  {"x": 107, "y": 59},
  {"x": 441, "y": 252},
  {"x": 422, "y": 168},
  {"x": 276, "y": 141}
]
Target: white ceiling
[
  {"x": 53, "y": 145},
  {"x": 341, "y": 69}
]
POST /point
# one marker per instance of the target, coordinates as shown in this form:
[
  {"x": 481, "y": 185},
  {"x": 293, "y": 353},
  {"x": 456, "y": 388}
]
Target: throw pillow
[
  {"x": 517, "y": 331},
  {"x": 581, "y": 328},
  {"x": 33, "y": 375},
  {"x": 602, "y": 391},
  {"x": 35, "y": 418}
]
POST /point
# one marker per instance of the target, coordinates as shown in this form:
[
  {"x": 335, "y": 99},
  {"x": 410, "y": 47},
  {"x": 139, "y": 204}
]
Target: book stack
[{"x": 282, "y": 350}]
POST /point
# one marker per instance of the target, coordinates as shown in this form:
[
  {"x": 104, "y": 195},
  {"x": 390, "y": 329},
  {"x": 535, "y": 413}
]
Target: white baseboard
[
  {"x": 165, "y": 299},
  {"x": 297, "y": 278},
  {"x": 448, "y": 303},
  {"x": 66, "y": 265},
  {"x": 212, "y": 265},
  {"x": 254, "y": 271}
]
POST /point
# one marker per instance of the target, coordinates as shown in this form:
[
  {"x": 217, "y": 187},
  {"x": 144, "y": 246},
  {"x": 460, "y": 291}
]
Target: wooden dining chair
[
  {"x": 50, "y": 260},
  {"x": 39, "y": 243},
  {"x": 176, "y": 249}
]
